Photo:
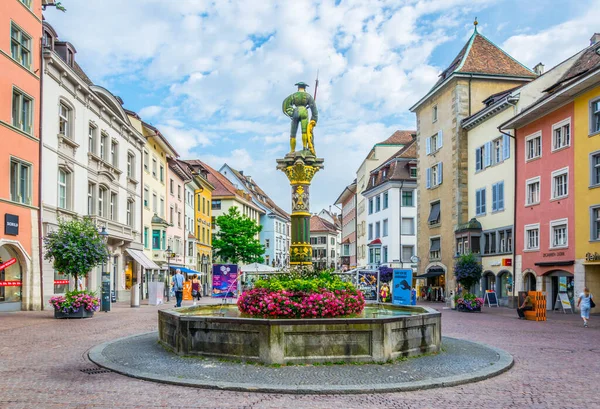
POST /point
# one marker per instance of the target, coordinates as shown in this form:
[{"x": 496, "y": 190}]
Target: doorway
[
  {"x": 562, "y": 281},
  {"x": 529, "y": 282}
]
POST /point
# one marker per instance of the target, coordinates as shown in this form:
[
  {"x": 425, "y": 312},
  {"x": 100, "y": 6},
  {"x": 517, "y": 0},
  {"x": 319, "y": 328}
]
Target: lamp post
[
  {"x": 167, "y": 284},
  {"x": 105, "y": 278}
]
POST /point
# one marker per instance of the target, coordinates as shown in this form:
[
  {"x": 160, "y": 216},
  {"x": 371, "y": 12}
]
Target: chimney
[
  {"x": 595, "y": 39},
  {"x": 539, "y": 69},
  {"x": 242, "y": 172}
]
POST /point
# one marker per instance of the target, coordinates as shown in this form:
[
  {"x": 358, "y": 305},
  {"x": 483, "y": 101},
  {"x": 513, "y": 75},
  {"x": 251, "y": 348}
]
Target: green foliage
[
  {"x": 75, "y": 248},
  {"x": 235, "y": 240},
  {"x": 467, "y": 270},
  {"x": 290, "y": 282}
]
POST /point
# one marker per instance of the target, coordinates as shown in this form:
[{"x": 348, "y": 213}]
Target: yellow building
[{"x": 203, "y": 213}]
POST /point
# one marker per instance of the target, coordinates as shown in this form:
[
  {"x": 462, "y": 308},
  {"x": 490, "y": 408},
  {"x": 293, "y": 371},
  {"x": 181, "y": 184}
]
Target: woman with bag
[
  {"x": 196, "y": 288},
  {"x": 587, "y": 303}
]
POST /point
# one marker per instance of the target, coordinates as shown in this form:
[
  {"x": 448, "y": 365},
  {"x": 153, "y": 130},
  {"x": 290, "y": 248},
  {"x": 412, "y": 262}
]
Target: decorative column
[{"x": 300, "y": 167}]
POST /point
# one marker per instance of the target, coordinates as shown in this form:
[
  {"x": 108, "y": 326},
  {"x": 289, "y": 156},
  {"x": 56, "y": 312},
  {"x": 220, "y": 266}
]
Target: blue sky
[{"x": 212, "y": 75}]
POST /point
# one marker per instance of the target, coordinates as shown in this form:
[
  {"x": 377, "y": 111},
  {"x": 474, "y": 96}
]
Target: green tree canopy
[
  {"x": 467, "y": 270},
  {"x": 76, "y": 247},
  {"x": 235, "y": 240}
]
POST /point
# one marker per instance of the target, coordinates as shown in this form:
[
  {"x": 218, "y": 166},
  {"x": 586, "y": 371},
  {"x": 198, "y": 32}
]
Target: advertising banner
[
  {"x": 367, "y": 283},
  {"x": 401, "y": 293},
  {"x": 225, "y": 281}
]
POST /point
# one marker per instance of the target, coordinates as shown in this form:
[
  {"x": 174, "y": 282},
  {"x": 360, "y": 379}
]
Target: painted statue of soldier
[{"x": 296, "y": 107}]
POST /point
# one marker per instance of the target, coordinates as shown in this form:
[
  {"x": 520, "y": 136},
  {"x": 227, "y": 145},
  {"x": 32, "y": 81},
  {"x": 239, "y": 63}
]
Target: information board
[
  {"x": 225, "y": 281},
  {"x": 401, "y": 292},
  {"x": 367, "y": 284},
  {"x": 491, "y": 298}
]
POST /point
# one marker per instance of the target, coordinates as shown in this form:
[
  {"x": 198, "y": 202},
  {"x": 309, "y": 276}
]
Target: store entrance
[
  {"x": 562, "y": 281},
  {"x": 11, "y": 280}
]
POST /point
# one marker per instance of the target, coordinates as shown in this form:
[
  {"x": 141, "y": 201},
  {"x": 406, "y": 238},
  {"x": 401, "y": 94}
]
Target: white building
[
  {"x": 391, "y": 197},
  {"x": 92, "y": 167},
  {"x": 324, "y": 239}
]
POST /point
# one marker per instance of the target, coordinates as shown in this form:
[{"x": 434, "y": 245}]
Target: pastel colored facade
[
  {"x": 324, "y": 242},
  {"x": 21, "y": 25},
  {"x": 336, "y": 220},
  {"x": 379, "y": 153},
  {"x": 91, "y": 156},
  {"x": 275, "y": 222},
  {"x": 392, "y": 210},
  {"x": 347, "y": 200},
  {"x": 479, "y": 70},
  {"x": 176, "y": 238}
]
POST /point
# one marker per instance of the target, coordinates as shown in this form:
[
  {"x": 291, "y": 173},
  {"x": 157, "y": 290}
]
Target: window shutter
[
  {"x": 428, "y": 146},
  {"x": 428, "y": 178},
  {"x": 439, "y": 175},
  {"x": 478, "y": 159},
  {"x": 439, "y": 138},
  {"x": 505, "y": 147},
  {"x": 495, "y": 197},
  {"x": 488, "y": 154},
  {"x": 483, "y": 204},
  {"x": 500, "y": 195}
]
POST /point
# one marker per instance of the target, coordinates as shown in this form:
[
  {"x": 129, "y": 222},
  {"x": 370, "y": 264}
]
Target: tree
[
  {"x": 235, "y": 240},
  {"x": 467, "y": 270},
  {"x": 75, "y": 248}
]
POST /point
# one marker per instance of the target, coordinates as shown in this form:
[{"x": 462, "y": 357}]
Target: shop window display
[{"x": 10, "y": 277}]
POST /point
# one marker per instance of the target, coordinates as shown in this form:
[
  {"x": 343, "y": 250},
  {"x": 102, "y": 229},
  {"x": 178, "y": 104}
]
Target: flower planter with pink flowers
[{"x": 75, "y": 304}]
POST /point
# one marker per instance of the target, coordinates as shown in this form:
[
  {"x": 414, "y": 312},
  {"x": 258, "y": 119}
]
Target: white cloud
[{"x": 150, "y": 111}]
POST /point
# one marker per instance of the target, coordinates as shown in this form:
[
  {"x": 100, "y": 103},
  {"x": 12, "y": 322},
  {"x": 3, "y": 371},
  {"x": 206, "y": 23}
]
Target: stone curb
[{"x": 504, "y": 363}]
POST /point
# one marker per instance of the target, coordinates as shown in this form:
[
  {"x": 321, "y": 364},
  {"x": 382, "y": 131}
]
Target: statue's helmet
[{"x": 301, "y": 84}]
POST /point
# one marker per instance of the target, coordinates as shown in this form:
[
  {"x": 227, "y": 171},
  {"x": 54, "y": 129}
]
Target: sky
[{"x": 212, "y": 75}]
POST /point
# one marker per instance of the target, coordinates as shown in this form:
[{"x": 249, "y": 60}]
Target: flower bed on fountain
[{"x": 325, "y": 296}]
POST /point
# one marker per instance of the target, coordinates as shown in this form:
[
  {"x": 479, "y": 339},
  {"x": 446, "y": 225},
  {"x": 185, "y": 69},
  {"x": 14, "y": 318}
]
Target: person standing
[
  {"x": 585, "y": 301},
  {"x": 526, "y": 306},
  {"x": 178, "y": 286}
]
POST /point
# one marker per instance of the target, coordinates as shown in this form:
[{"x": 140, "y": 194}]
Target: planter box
[
  {"x": 81, "y": 313},
  {"x": 462, "y": 308}
]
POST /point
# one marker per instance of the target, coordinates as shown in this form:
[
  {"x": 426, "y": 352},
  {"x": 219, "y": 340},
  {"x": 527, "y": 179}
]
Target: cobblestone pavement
[{"x": 557, "y": 365}]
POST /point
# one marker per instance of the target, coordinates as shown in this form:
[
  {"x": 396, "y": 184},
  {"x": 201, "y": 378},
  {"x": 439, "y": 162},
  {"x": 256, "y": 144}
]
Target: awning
[
  {"x": 141, "y": 259},
  {"x": 430, "y": 273},
  {"x": 375, "y": 242},
  {"x": 434, "y": 213},
  {"x": 186, "y": 270},
  {"x": 435, "y": 245}
]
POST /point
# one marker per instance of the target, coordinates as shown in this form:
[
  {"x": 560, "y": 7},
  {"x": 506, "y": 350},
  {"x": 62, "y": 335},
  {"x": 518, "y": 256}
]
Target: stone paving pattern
[
  {"x": 557, "y": 365},
  {"x": 144, "y": 354}
]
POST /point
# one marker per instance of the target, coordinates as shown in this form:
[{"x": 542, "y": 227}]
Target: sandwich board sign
[
  {"x": 563, "y": 302},
  {"x": 490, "y": 297}
]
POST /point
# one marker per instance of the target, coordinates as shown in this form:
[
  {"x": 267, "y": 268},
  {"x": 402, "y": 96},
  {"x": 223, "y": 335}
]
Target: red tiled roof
[
  {"x": 589, "y": 60},
  {"x": 318, "y": 224},
  {"x": 399, "y": 138},
  {"x": 223, "y": 187}
]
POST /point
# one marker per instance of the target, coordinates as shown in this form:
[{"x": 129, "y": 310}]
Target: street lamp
[
  {"x": 168, "y": 250},
  {"x": 105, "y": 278}
]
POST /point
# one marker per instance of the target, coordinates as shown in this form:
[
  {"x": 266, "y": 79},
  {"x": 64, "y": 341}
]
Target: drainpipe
[{"x": 40, "y": 147}]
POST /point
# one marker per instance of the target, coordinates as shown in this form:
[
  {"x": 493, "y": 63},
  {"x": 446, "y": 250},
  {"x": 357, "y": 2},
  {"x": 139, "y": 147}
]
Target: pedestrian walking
[
  {"x": 196, "y": 288},
  {"x": 586, "y": 302},
  {"x": 178, "y": 286}
]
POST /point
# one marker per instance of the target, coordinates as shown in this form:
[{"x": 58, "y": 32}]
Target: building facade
[
  {"x": 90, "y": 146},
  {"x": 391, "y": 196},
  {"x": 177, "y": 177},
  {"x": 347, "y": 200},
  {"x": 479, "y": 70},
  {"x": 379, "y": 153},
  {"x": 20, "y": 65},
  {"x": 324, "y": 242}
]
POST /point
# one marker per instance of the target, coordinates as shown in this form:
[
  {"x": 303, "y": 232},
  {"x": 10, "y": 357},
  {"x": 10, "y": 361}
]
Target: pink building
[
  {"x": 177, "y": 176},
  {"x": 544, "y": 208}
]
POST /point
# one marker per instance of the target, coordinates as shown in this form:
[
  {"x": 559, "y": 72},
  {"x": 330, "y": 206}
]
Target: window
[
  {"x": 413, "y": 172},
  {"x": 408, "y": 226},
  {"x": 480, "y": 202},
  {"x": 407, "y": 198},
  {"x": 384, "y": 257},
  {"x": 595, "y": 223},
  {"x": 20, "y": 46},
  {"x": 370, "y": 231},
  {"x": 113, "y": 207},
  {"x": 146, "y": 197},
  {"x": 204, "y": 204},
  {"x": 377, "y": 230},
  {"x": 156, "y": 240},
  {"x": 146, "y": 231},
  {"x": 558, "y": 233},
  {"x": 178, "y": 191},
  {"x": 532, "y": 191},
  {"x": 434, "y": 248},
  {"x": 64, "y": 116},
  {"x": 129, "y": 215},
  {"x": 434, "y": 175},
  {"x": 385, "y": 200},
  {"x": 560, "y": 186},
  {"x": 595, "y": 168},
  {"x": 490, "y": 242},
  {"x": 433, "y": 143},
  {"x": 63, "y": 198},
  {"x": 22, "y": 112},
  {"x": 20, "y": 181},
  {"x": 27, "y": 3},
  {"x": 178, "y": 219},
  {"x": 146, "y": 160},
  {"x": 533, "y": 146},
  {"x": 498, "y": 197},
  {"x": 435, "y": 112},
  {"x": 532, "y": 237},
  {"x": 154, "y": 203},
  {"x": 162, "y": 207},
  {"x": 154, "y": 167},
  {"x": 561, "y": 134},
  {"x": 92, "y": 136},
  {"x": 171, "y": 214},
  {"x": 102, "y": 192},
  {"x": 385, "y": 228},
  {"x": 371, "y": 206},
  {"x": 375, "y": 255},
  {"x": 323, "y": 240},
  {"x": 595, "y": 116},
  {"x": 130, "y": 165},
  {"x": 332, "y": 241},
  {"x": 90, "y": 204},
  {"x": 190, "y": 248},
  {"x": 479, "y": 158},
  {"x": 434, "y": 213},
  {"x": 345, "y": 250},
  {"x": 407, "y": 253},
  {"x": 172, "y": 186},
  {"x": 497, "y": 151},
  {"x": 103, "y": 143},
  {"x": 377, "y": 203},
  {"x": 162, "y": 173},
  {"x": 114, "y": 154},
  {"x": 216, "y": 205}
]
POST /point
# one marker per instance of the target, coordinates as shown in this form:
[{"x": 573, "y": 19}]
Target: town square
[{"x": 313, "y": 203}]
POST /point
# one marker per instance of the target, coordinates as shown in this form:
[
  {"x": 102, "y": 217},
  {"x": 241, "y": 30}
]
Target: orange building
[{"x": 20, "y": 42}]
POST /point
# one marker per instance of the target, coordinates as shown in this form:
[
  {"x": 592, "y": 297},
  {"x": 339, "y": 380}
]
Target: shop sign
[
  {"x": 11, "y": 224},
  {"x": 8, "y": 263},
  {"x": 10, "y": 283},
  {"x": 554, "y": 254},
  {"x": 507, "y": 262},
  {"x": 592, "y": 256}
]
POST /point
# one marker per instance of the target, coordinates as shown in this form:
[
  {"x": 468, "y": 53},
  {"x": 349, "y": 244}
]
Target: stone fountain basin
[{"x": 384, "y": 332}]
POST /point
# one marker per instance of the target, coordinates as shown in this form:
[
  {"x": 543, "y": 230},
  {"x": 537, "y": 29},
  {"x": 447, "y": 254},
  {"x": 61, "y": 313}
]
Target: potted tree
[
  {"x": 74, "y": 249},
  {"x": 467, "y": 271}
]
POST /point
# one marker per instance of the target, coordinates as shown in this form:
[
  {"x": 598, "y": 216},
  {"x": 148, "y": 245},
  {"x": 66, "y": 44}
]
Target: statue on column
[{"x": 296, "y": 108}]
